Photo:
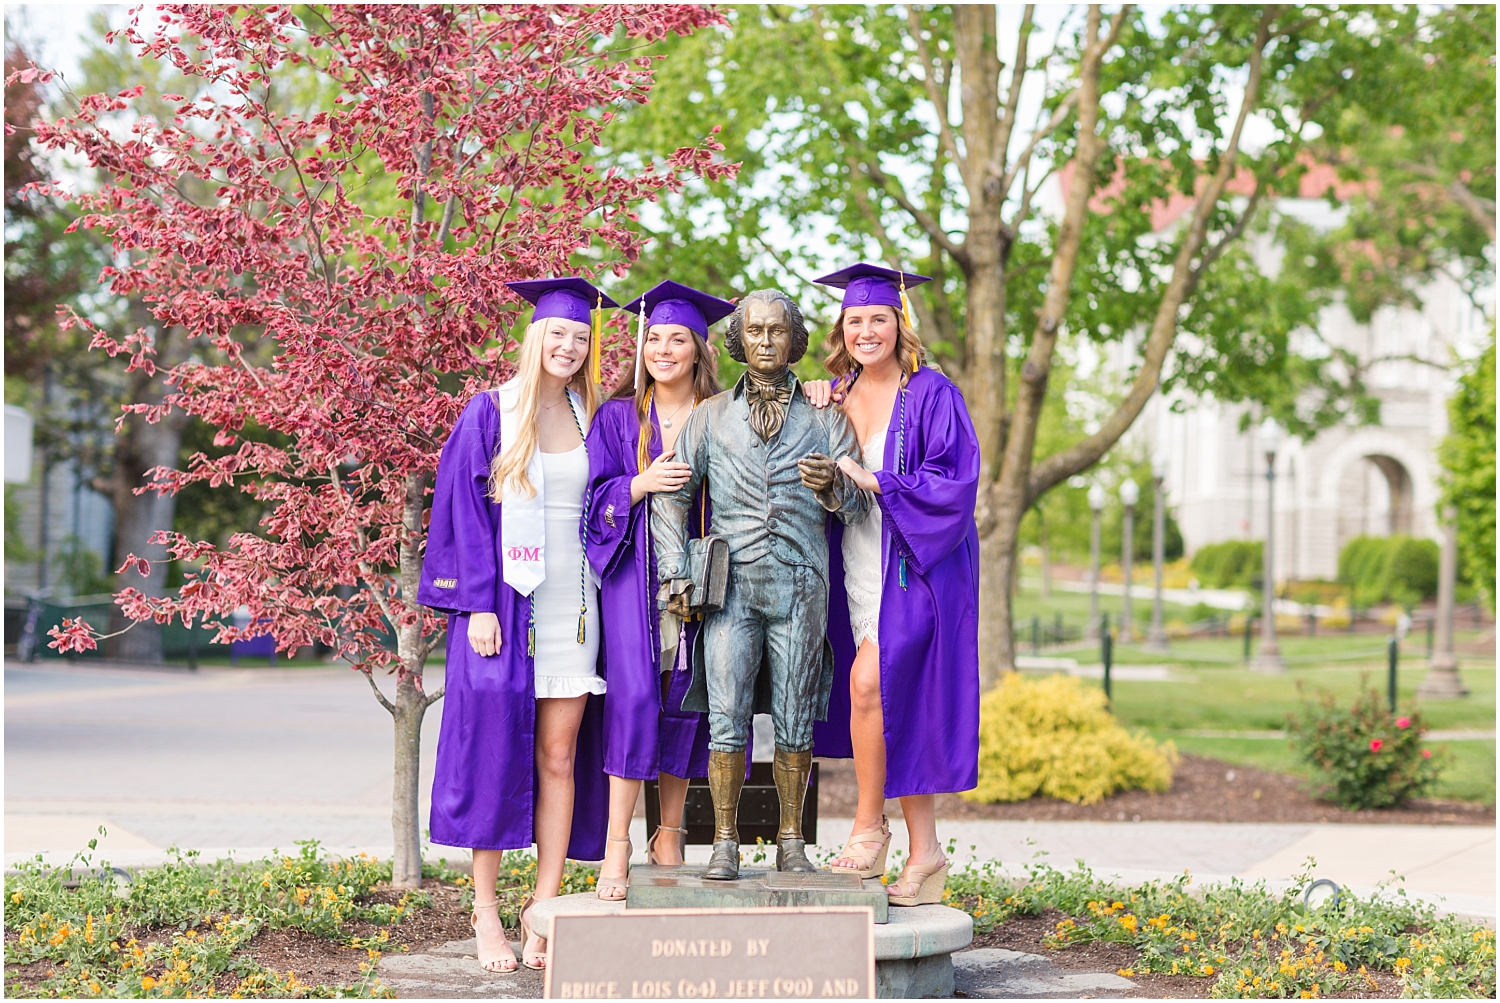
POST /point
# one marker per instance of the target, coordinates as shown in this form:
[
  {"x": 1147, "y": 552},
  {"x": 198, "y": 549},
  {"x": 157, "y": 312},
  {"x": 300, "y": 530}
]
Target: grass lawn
[
  {"x": 1225, "y": 698},
  {"x": 1211, "y": 690}
]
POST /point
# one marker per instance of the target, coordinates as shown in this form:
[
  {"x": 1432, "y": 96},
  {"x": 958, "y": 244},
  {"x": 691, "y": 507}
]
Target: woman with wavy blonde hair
[
  {"x": 519, "y": 758},
  {"x": 904, "y": 626}
]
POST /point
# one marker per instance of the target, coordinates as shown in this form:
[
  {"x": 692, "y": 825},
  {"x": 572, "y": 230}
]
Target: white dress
[
  {"x": 565, "y": 668},
  {"x": 863, "y": 574}
]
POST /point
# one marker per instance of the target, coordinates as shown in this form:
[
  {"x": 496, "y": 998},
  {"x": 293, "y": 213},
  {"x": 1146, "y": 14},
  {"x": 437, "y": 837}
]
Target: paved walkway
[{"x": 254, "y": 759}]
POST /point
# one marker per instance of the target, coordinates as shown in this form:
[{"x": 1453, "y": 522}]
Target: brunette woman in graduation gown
[{"x": 647, "y": 735}]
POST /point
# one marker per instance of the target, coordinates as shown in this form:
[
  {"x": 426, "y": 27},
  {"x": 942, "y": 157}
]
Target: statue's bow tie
[{"x": 770, "y": 393}]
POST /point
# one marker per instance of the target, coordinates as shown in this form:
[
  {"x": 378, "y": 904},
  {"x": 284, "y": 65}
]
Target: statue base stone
[
  {"x": 913, "y": 947},
  {"x": 685, "y": 887}
]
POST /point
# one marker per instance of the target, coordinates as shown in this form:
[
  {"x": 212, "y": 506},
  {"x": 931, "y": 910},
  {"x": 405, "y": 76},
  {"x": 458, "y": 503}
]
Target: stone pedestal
[
  {"x": 913, "y": 948},
  {"x": 686, "y": 888}
]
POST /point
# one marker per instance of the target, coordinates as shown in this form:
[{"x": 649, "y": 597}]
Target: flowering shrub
[
  {"x": 1367, "y": 757},
  {"x": 1056, "y": 737}
]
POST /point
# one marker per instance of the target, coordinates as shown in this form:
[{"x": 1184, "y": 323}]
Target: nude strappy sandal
[
  {"x": 489, "y": 966},
  {"x": 616, "y": 884},
  {"x": 868, "y": 864},
  {"x": 929, "y": 881},
  {"x": 536, "y": 961},
  {"x": 681, "y": 844}
]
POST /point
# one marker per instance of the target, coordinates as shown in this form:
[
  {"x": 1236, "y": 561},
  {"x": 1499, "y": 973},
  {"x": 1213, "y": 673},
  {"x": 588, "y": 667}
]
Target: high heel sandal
[
  {"x": 615, "y": 884},
  {"x": 536, "y": 961},
  {"x": 930, "y": 880},
  {"x": 484, "y": 965},
  {"x": 867, "y": 865},
  {"x": 681, "y": 845}
]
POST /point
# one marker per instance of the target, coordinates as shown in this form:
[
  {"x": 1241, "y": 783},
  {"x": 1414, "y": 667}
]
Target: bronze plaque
[{"x": 713, "y": 954}]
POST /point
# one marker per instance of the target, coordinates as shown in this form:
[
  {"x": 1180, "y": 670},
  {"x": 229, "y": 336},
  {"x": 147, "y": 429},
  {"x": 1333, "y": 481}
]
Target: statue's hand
[
  {"x": 818, "y": 472},
  {"x": 680, "y": 603}
]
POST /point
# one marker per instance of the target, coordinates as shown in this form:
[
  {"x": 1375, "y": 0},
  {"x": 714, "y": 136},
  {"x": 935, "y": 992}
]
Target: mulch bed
[
  {"x": 1203, "y": 790},
  {"x": 1025, "y": 933},
  {"x": 316, "y": 960}
]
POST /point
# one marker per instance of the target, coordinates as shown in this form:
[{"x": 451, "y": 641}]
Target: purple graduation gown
[
  {"x": 641, "y": 735},
  {"x": 929, "y": 629},
  {"x": 484, "y": 787}
]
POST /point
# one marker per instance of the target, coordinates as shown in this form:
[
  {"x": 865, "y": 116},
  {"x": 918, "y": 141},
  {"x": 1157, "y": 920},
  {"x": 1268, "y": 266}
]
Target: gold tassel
[
  {"x": 643, "y": 442},
  {"x": 597, "y": 346},
  {"x": 916, "y": 361},
  {"x": 905, "y": 303},
  {"x": 531, "y": 630},
  {"x": 581, "y": 617}
]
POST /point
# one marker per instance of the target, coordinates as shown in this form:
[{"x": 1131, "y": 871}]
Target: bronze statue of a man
[{"x": 770, "y": 459}]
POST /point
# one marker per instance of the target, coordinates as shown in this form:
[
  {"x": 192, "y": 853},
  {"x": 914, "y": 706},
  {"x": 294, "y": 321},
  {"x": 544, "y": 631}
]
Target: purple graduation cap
[
  {"x": 570, "y": 298},
  {"x": 674, "y": 303},
  {"x": 872, "y": 285}
]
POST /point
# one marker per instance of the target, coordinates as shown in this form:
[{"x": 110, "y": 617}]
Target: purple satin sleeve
[
  {"x": 461, "y": 568},
  {"x": 929, "y": 509},
  {"x": 609, "y": 534}
]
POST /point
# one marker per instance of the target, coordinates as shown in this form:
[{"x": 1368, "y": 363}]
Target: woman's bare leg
[
  {"x": 867, "y": 734},
  {"x": 557, "y": 722},
  {"x": 673, "y": 791},
  {"x": 623, "y": 793},
  {"x": 492, "y": 947}
]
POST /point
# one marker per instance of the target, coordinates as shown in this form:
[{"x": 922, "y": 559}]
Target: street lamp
[
  {"x": 1156, "y": 637},
  {"x": 1443, "y": 682},
  {"x": 1097, "y": 498},
  {"x": 1129, "y": 494},
  {"x": 1269, "y": 659}
]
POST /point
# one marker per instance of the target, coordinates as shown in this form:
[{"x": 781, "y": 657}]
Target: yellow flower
[
  {"x": 1125, "y": 972},
  {"x": 148, "y": 983},
  {"x": 1402, "y": 964}
]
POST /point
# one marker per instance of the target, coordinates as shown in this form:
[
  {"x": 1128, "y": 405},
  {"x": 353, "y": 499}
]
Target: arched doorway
[{"x": 1375, "y": 498}]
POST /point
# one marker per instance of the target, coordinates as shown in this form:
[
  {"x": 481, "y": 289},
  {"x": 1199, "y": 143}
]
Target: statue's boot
[
  {"x": 791, "y": 770},
  {"x": 726, "y": 775}
]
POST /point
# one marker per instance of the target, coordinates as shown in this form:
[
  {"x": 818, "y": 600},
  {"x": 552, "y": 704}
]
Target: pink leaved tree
[{"x": 342, "y": 268}]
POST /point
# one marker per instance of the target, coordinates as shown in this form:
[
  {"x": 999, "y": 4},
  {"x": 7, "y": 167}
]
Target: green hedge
[
  {"x": 1231, "y": 564},
  {"x": 1400, "y": 569}
]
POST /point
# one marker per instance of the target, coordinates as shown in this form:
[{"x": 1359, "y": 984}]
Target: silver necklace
[{"x": 667, "y": 421}]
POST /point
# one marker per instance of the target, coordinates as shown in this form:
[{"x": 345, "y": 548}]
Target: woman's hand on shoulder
[
  {"x": 819, "y": 393},
  {"x": 663, "y": 476},
  {"x": 484, "y": 633}
]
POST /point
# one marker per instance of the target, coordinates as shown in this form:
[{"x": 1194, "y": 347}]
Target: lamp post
[
  {"x": 1156, "y": 637},
  {"x": 1269, "y": 658},
  {"x": 1097, "y": 498},
  {"x": 1443, "y": 682},
  {"x": 1130, "y": 493}
]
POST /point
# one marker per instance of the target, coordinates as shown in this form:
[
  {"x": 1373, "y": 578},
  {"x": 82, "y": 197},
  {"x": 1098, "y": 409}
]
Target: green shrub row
[
  {"x": 1399, "y": 569},
  {"x": 1228, "y": 565},
  {"x": 1252, "y": 942}
]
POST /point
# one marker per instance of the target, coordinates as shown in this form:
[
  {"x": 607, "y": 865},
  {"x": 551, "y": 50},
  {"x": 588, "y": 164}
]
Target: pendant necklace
[{"x": 667, "y": 421}]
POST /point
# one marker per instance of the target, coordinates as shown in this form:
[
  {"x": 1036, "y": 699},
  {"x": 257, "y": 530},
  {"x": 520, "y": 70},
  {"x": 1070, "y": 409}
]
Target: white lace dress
[
  {"x": 863, "y": 573},
  {"x": 565, "y": 668}
]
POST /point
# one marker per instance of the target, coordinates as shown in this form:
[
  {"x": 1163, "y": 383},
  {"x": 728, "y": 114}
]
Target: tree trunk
[
  {"x": 141, "y": 446},
  {"x": 406, "y": 824},
  {"x": 411, "y": 701}
]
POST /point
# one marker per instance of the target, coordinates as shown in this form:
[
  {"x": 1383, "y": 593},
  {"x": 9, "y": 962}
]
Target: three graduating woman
[
  {"x": 520, "y": 757},
  {"x": 646, "y": 734},
  {"x": 903, "y": 612}
]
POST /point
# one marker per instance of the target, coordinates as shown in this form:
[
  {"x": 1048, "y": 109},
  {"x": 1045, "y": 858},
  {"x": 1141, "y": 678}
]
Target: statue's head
[{"x": 767, "y": 332}]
